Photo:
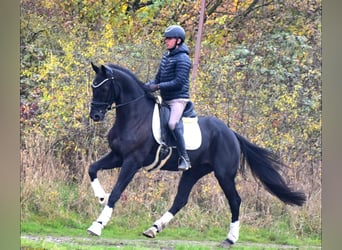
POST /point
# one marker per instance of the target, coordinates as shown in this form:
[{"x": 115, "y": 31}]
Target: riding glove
[{"x": 154, "y": 87}]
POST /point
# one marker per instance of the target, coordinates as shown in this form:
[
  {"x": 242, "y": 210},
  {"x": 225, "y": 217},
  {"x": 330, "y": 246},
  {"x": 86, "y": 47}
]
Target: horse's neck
[
  {"x": 132, "y": 116},
  {"x": 138, "y": 109}
]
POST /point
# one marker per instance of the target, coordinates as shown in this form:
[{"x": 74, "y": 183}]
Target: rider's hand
[{"x": 154, "y": 87}]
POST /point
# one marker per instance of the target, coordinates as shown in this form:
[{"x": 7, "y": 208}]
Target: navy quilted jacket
[{"x": 173, "y": 74}]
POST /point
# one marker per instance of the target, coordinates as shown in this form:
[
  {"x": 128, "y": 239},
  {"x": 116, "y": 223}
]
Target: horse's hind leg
[
  {"x": 234, "y": 201},
  {"x": 188, "y": 180},
  {"x": 228, "y": 186}
]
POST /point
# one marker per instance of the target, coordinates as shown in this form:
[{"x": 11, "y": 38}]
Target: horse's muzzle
[{"x": 97, "y": 115}]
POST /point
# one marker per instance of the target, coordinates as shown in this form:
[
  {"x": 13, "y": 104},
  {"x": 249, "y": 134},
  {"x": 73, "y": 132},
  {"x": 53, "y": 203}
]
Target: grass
[
  {"x": 121, "y": 235},
  {"x": 130, "y": 223},
  {"x": 47, "y": 214}
]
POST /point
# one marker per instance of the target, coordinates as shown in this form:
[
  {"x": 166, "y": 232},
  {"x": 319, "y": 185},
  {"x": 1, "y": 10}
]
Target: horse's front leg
[
  {"x": 109, "y": 161},
  {"x": 127, "y": 172}
]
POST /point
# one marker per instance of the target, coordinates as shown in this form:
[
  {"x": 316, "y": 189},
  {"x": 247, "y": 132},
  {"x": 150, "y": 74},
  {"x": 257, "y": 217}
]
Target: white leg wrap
[
  {"x": 95, "y": 229},
  {"x": 234, "y": 229},
  {"x": 98, "y": 190},
  {"x": 163, "y": 221},
  {"x": 105, "y": 215}
]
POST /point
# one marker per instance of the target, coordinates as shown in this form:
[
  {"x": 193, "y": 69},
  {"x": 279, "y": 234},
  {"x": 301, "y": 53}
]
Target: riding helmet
[{"x": 175, "y": 31}]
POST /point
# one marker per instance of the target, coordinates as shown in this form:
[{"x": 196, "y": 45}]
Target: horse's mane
[{"x": 135, "y": 78}]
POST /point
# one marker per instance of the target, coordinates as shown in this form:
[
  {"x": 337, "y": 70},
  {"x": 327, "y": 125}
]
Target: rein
[
  {"x": 126, "y": 103},
  {"x": 109, "y": 106}
]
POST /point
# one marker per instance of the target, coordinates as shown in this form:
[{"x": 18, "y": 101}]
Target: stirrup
[{"x": 183, "y": 164}]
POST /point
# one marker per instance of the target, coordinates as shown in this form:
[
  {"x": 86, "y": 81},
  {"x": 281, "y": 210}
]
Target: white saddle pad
[{"x": 192, "y": 132}]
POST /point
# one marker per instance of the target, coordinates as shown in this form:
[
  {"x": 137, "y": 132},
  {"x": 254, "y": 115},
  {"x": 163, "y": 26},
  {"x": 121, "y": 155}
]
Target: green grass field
[
  {"x": 123, "y": 233},
  {"x": 56, "y": 216}
]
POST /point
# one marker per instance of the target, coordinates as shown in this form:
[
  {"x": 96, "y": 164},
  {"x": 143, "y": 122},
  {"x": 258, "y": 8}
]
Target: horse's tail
[{"x": 265, "y": 165}]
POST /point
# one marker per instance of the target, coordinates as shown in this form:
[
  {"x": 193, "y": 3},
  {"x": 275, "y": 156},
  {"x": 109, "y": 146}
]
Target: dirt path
[{"x": 148, "y": 243}]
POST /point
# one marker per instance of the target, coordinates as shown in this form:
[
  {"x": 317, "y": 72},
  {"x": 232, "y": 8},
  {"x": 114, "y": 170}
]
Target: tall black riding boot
[{"x": 184, "y": 161}]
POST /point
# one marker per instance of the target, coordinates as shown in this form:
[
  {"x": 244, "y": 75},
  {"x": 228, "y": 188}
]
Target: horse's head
[
  {"x": 103, "y": 93},
  {"x": 113, "y": 83}
]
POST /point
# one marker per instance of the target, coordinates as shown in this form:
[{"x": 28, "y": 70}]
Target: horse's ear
[{"x": 95, "y": 68}]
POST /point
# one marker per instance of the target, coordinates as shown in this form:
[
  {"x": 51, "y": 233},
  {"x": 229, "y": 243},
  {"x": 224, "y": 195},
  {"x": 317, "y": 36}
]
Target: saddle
[{"x": 162, "y": 134}]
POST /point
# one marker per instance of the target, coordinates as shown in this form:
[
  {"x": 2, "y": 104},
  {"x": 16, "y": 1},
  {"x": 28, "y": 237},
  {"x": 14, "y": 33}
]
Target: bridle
[{"x": 108, "y": 104}]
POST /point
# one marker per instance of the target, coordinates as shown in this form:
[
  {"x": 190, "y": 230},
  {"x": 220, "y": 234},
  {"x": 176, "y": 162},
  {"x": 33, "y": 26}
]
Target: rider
[{"x": 172, "y": 79}]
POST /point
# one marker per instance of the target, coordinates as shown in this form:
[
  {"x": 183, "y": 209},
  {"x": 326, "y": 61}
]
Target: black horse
[{"x": 133, "y": 146}]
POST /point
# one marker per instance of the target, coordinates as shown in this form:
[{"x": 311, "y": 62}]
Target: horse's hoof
[
  {"x": 226, "y": 243},
  {"x": 104, "y": 200},
  {"x": 95, "y": 229},
  {"x": 151, "y": 232}
]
